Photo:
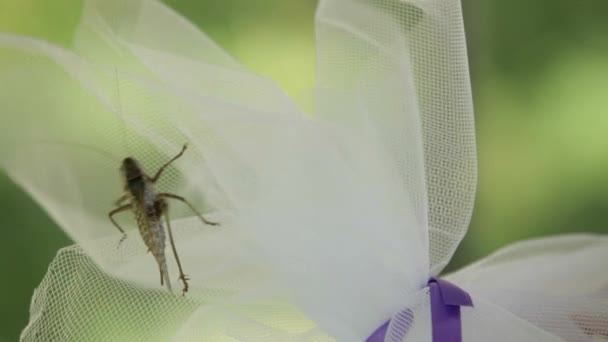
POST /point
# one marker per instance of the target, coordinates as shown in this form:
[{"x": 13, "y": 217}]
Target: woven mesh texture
[
  {"x": 331, "y": 224},
  {"x": 404, "y": 64}
]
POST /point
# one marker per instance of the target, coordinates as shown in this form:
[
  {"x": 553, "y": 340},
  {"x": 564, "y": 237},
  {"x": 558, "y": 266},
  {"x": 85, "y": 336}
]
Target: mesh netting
[
  {"x": 330, "y": 225},
  {"x": 77, "y": 301},
  {"x": 554, "y": 289},
  {"x": 399, "y": 69}
]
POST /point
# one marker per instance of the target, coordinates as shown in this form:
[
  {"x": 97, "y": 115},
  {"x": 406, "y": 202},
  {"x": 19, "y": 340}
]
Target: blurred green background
[{"x": 539, "y": 73}]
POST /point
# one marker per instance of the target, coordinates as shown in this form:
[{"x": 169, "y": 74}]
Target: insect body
[{"x": 150, "y": 208}]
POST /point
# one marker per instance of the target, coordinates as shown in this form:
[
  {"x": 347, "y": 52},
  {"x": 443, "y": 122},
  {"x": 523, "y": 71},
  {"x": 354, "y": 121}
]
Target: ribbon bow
[{"x": 446, "y": 300}]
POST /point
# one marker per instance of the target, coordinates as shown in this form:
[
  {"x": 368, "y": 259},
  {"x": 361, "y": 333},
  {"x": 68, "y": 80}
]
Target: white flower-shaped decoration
[{"x": 332, "y": 224}]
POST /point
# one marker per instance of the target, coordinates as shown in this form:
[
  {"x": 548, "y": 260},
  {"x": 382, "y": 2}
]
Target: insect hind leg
[{"x": 183, "y": 277}]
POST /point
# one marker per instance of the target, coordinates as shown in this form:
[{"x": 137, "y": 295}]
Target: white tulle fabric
[{"x": 331, "y": 223}]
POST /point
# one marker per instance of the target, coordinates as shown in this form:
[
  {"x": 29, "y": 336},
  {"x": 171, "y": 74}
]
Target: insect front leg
[
  {"x": 160, "y": 203},
  {"x": 111, "y": 216},
  {"x": 180, "y": 198},
  {"x": 121, "y": 200},
  {"x": 162, "y": 168}
]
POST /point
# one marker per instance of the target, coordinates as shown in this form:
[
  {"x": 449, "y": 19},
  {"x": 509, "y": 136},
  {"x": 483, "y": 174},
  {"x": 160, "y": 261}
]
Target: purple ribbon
[
  {"x": 379, "y": 334},
  {"x": 446, "y": 300}
]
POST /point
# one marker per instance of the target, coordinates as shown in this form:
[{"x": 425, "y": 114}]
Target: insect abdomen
[{"x": 148, "y": 217}]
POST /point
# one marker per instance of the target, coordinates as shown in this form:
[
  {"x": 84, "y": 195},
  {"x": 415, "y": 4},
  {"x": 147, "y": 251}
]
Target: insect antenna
[{"x": 120, "y": 114}]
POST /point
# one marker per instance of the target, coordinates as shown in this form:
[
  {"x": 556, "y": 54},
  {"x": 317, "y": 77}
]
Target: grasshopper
[{"x": 149, "y": 208}]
